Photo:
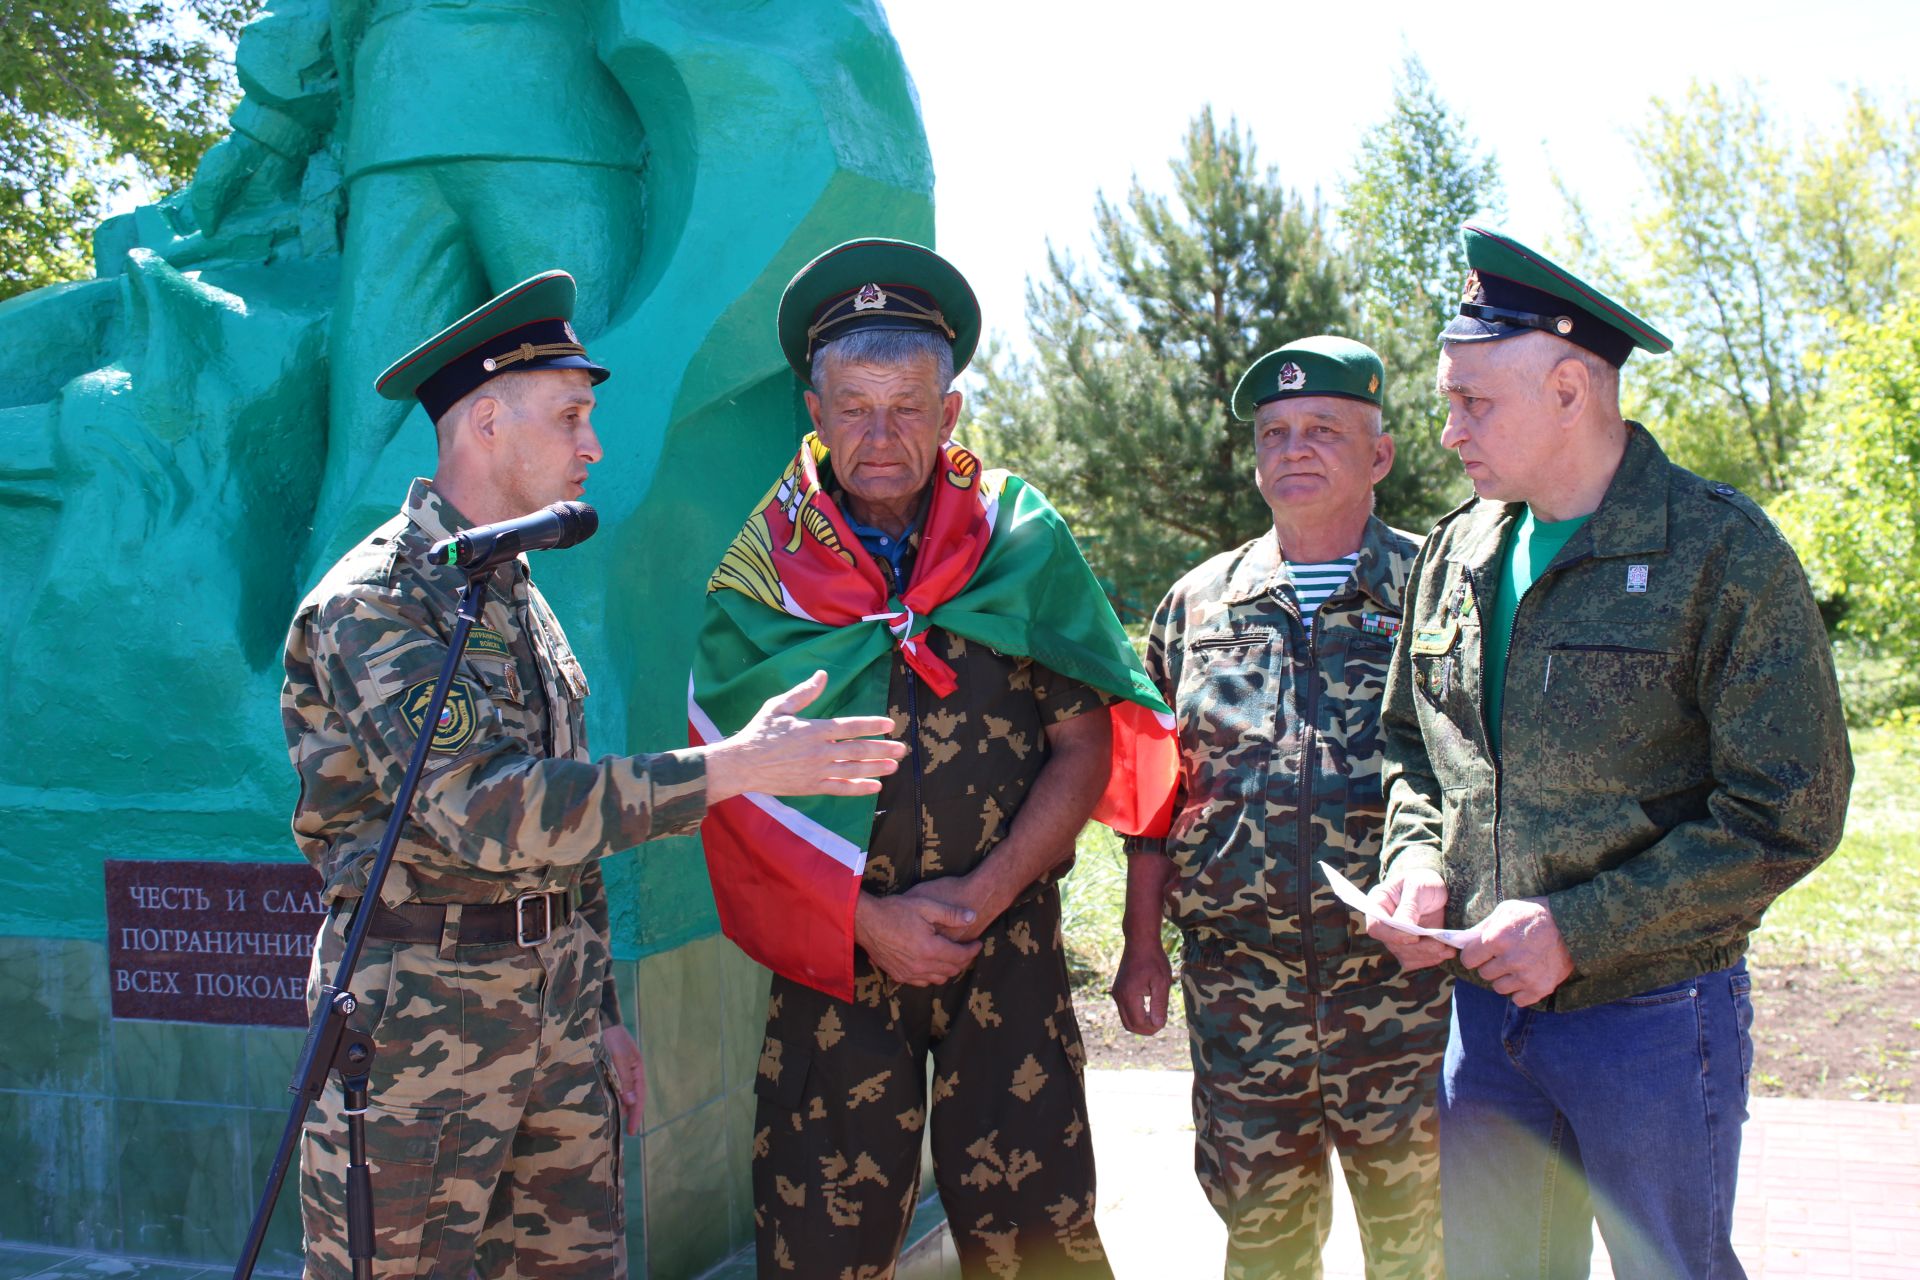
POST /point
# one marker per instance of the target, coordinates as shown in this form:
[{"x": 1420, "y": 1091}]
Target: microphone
[{"x": 483, "y": 547}]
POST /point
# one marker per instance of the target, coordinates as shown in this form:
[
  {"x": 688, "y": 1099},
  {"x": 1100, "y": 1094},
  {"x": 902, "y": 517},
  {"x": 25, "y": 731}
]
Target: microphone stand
[{"x": 331, "y": 1045}]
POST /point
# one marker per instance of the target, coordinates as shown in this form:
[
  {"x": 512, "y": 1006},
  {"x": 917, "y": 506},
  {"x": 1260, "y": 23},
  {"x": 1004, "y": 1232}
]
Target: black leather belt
[{"x": 527, "y": 920}]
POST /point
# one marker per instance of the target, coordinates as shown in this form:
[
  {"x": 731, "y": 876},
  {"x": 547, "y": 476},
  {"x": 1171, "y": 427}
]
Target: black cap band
[
  {"x": 539, "y": 344},
  {"x": 1496, "y": 307}
]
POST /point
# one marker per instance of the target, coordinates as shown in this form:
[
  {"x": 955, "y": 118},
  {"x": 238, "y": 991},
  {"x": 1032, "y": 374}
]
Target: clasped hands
[
  {"x": 927, "y": 935},
  {"x": 1517, "y": 949}
]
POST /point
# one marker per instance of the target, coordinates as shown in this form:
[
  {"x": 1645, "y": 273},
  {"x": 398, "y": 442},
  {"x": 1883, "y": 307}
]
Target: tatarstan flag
[{"x": 796, "y": 593}]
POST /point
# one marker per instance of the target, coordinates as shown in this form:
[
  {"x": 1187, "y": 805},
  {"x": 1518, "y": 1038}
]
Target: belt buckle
[{"x": 520, "y": 918}]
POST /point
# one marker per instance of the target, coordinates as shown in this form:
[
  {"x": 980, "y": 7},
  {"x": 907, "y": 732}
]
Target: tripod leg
[{"x": 359, "y": 1178}]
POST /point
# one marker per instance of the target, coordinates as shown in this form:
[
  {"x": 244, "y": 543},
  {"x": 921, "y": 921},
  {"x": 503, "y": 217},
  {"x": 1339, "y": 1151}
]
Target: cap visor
[{"x": 1474, "y": 329}]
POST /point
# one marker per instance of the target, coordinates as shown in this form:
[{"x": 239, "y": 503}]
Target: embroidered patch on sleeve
[{"x": 459, "y": 716}]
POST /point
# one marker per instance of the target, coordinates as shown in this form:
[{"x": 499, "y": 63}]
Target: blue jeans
[{"x": 1629, "y": 1112}]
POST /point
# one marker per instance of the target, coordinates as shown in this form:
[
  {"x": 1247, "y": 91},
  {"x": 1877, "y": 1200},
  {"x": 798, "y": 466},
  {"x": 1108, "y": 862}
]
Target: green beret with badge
[
  {"x": 1317, "y": 366},
  {"x": 876, "y": 284},
  {"x": 529, "y": 326},
  {"x": 1512, "y": 289}
]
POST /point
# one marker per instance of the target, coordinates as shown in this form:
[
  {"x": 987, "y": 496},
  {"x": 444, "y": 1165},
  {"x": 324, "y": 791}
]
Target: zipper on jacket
[
  {"x": 1506, "y": 670},
  {"x": 1303, "y": 859}
]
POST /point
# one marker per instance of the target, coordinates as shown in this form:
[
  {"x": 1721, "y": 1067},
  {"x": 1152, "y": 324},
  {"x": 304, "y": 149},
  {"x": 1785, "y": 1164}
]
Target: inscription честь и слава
[{"x": 223, "y": 942}]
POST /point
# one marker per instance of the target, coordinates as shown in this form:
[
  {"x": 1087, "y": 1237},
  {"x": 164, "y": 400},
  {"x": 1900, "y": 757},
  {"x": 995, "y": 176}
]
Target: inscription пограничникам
[{"x": 223, "y": 942}]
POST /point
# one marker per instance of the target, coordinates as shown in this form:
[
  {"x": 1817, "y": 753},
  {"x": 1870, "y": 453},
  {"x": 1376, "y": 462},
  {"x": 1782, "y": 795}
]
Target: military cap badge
[
  {"x": 841, "y": 292},
  {"x": 1319, "y": 366}
]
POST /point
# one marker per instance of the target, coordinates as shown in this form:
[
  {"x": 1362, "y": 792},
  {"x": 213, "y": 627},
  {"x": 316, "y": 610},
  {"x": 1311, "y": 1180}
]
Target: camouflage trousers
[
  {"x": 1280, "y": 1074},
  {"x": 844, "y": 1097},
  {"x": 493, "y": 1132}
]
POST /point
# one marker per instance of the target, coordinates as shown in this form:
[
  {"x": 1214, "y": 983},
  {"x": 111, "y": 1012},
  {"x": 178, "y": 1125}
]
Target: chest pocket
[
  {"x": 1436, "y": 653},
  {"x": 1228, "y": 691},
  {"x": 1356, "y": 694},
  {"x": 1626, "y": 674},
  {"x": 403, "y": 662}
]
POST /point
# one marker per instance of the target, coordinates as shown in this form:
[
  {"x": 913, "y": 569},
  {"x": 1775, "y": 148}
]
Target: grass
[
  {"x": 1859, "y": 912},
  {"x": 1092, "y": 899}
]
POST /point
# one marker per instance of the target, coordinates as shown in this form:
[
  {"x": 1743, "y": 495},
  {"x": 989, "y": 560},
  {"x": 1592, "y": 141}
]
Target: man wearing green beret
[
  {"x": 1306, "y": 1035},
  {"x": 1613, "y": 738},
  {"x": 501, "y": 1067},
  {"x": 919, "y": 931}
]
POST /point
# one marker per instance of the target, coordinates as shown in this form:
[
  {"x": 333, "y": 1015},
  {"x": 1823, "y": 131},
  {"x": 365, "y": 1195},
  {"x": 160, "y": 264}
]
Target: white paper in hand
[{"x": 1349, "y": 892}]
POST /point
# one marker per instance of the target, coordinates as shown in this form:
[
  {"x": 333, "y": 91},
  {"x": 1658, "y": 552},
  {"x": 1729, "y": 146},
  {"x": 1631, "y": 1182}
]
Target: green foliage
[
  {"x": 1749, "y": 244},
  {"x": 1855, "y": 514},
  {"x": 96, "y": 95},
  {"x": 1419, "y": 176},
  {"x": 1122, "y": 417}
]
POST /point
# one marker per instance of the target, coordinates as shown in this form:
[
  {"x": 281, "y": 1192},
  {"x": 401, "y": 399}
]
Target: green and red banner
[{"x": 796, "y": 593}]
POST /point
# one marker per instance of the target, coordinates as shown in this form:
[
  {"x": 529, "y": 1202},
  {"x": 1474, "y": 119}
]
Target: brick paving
[{"x": 1827, "y": 1189}]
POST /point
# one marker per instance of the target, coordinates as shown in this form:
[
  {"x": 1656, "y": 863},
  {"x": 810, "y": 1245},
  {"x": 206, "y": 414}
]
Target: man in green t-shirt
[{"x": 1612, "y": 738}]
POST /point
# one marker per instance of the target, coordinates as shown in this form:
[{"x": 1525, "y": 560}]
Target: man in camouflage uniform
[
  {"x": 959, "y": 956},
  {"x": 500, "y": 1063},
  {"x": 1305, "y": 1033},
  {"x": 1613, "y": 737}
]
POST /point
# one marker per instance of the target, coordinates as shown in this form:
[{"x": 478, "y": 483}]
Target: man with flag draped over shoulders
[{"x": 924, "y": 921}]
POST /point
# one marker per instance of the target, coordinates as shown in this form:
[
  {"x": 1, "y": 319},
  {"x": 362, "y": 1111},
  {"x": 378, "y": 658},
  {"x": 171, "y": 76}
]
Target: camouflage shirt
[
  {"x": 1280, "y": 752},
  {"x": 1673, "y": 749},
  {"x": 507, "y": 803},
  {"x": 973, "y": 755}
]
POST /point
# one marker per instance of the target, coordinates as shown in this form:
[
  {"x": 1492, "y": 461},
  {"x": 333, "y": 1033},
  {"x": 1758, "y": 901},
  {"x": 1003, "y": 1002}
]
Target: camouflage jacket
[
  {"x": 507, "y": 802},
  {"x": 1280, "y": 753},
  {"x": 1673, "y": 749}
]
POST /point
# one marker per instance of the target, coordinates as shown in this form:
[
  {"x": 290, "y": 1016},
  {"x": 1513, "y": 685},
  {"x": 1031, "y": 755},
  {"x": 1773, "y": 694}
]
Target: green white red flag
[{"x": 796, "y": 593}]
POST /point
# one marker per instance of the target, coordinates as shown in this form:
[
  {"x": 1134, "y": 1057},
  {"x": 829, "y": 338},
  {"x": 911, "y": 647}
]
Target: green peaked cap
[
  {"x": 1318, "y": 366},
  {"x": 1512, "y": 289},
  {"x": 876, "y": 284},
  {"x": 526, "y": 327}
]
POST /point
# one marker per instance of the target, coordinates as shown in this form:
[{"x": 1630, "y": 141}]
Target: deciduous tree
[
  {"x": 1420, "y": 175},
  {"x": 95, "y": 95}
]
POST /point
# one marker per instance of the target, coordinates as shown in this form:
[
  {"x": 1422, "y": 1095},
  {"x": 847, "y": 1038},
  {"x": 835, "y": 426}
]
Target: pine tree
[{"x": 1122, "y": 416}]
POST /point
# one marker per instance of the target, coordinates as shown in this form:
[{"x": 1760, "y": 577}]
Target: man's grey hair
[
  {"x": 1603, "y": 377},
  {"x": 887, "y": 348},
  {"x": 1540, "y": 354}
]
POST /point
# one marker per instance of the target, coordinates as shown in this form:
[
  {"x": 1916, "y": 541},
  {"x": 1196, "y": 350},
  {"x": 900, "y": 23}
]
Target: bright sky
[{"x": 1033, "y": 106}]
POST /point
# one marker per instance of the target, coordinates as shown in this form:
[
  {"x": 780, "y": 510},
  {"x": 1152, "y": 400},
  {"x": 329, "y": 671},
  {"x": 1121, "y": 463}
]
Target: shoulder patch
[{"x": 459, "y": 716}]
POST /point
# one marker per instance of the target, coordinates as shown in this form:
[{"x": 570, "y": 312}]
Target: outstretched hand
[{"x": 778, "y": 753}]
